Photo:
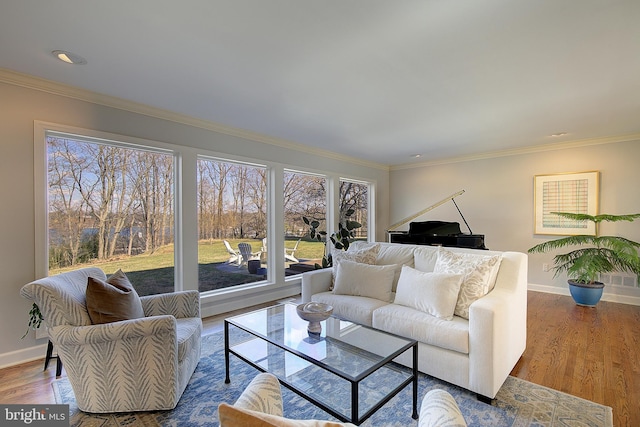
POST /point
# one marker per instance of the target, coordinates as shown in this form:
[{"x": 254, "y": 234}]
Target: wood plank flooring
[{"x": 592, "y": 353}]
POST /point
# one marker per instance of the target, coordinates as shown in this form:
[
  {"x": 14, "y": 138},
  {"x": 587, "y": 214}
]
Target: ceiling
[{"x": 378, "y": 80}]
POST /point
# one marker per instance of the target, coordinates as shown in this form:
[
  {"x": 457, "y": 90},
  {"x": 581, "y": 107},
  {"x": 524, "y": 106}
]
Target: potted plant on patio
[
  {"x": 593, "y": 255},
  {"x": 340, "y": 239}
]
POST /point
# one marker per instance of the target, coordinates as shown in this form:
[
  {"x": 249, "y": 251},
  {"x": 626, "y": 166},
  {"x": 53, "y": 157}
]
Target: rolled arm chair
[{"x": 132, "y": 365}]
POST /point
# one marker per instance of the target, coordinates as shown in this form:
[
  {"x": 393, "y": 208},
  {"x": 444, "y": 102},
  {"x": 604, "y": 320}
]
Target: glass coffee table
[{"x": 347, "y": 370}]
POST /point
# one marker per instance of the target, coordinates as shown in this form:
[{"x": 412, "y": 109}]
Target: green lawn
[{"x": 154, "y": 273}]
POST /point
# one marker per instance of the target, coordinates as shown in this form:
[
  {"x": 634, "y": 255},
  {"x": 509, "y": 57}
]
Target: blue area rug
[{"x": 518, "y": 403}]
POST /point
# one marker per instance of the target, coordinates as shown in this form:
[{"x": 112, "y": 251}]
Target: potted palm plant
[{"x": 592, "y": 256}]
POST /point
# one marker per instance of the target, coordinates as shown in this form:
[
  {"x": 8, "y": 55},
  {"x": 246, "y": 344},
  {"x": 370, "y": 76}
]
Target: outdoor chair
[
  {"x": 288, "y": 253},
  {"x": 140, "y": 364},
  {"x": 234, "y": 256},
  {"x": 246, "y": 254}
]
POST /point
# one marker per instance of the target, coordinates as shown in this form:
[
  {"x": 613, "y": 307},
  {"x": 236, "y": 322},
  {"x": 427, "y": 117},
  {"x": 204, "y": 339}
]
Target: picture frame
[{"x": 576, "y": 192}]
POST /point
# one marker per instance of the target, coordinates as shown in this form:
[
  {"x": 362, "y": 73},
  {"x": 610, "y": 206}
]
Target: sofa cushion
[
  {"x": 231, "y": 416},
  {"x": 432, "y": 293},
  {"x": 480, "y": 273},
  {"x": 425, "y": 258},
  {"x": 400, "y": 255},
  {"x": 112, "y": 300},
  {"x": 418, "y": 325},
  {"x": 348, "y": 307},
  {"x": 373, "y": 281}
]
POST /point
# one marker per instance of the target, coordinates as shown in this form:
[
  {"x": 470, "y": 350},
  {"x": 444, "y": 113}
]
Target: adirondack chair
[{"x": 246, "y": 254}]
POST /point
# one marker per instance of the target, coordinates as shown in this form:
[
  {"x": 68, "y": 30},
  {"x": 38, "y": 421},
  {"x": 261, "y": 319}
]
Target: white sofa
[{"x": 477, "y": 354}]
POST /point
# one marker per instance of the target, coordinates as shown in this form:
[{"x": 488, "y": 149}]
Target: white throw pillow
[
  {"x": 479, "y": 271},
  {"x": 433, "y": 293},
  {"x": 373, "y": 281}
]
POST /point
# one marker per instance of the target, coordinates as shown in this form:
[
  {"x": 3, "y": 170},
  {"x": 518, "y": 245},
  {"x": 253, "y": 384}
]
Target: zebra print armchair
[{"x": 132, "y": 365}]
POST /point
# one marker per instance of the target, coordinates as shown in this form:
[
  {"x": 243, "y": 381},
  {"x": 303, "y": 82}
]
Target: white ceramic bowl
[{"x": 314, "y": 311}]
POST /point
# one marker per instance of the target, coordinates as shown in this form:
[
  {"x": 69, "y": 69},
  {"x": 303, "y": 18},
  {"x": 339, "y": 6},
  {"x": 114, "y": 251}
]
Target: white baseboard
[
  {"x": 22, "y": 356},
  {"x": 606, "y": 296}
]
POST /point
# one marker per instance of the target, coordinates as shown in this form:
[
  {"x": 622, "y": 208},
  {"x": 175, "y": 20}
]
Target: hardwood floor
[{"x": 592, "y": 353}]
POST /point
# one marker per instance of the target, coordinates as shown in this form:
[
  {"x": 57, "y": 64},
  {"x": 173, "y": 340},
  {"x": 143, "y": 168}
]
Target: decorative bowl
[{"x": 314, "y": 313}]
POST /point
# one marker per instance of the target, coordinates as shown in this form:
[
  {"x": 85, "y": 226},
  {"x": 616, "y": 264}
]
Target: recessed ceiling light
[
  {"x": 68, "y": 57},
  {"x": 555, "y": 135},
  {"x": 415, "y": 156}
]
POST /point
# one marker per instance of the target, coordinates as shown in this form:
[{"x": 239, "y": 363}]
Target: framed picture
[{"x": 566, "y": 192}]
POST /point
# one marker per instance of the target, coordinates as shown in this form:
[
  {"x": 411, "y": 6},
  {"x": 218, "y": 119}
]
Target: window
[
  {"x": 232, "y": 210},
  {"x": 305, "y": 195},
  {"x": 111, "y": 206},
  {"x": 162, "y": 213},
  {"x": 354, "y": 199}
]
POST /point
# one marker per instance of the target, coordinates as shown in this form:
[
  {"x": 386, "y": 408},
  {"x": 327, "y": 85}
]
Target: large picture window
[
  {"x": 175, "y": 217},
  {"x": 112, "y": 207},
  {"x": 354, "y": 199},
  {"x": 305, "y": 195},
  {"x": 232, "y": 213}
]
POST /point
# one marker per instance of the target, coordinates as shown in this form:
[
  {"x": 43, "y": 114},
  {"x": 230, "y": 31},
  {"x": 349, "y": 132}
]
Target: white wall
[
  {"x": 21, "y": 105},
  {"x": 498, "y": 199}
]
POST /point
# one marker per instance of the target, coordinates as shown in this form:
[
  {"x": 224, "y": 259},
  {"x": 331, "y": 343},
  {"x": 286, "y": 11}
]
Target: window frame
[{"x": 185, "y": 211}]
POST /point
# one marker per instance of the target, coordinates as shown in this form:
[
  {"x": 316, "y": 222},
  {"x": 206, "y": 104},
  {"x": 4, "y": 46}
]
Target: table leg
[
  {"x": 415, "y": 382},
  {"x": 226, "y": 352},
  {"x": 354, "y": 403}
]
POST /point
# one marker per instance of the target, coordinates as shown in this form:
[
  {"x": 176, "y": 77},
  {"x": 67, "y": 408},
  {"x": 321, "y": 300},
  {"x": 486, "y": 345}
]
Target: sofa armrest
[
  {"x": 263, "y": 394},
  {"x": 497, "y": 339},
  {"x": 178, "y": 304},
  {"x": 316, "y": 281}
]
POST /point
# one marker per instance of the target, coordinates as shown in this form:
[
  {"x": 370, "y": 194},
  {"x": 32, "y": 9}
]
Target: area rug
[{"x": 518, "y": 403}]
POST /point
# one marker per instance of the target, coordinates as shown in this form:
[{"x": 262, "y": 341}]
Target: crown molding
[
  {"x": 520, "y": 151},
  {"x": 55, "y": 88}
]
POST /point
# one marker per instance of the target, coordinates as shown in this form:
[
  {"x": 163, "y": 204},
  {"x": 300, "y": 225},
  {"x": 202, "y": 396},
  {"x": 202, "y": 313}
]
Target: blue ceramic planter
[{"x": 587, "y": 294}]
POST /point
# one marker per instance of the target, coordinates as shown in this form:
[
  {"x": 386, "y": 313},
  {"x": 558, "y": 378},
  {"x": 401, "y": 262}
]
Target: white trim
[
  {"x": 24, "y": 355},
  {"x": 55, "y": 88},
  {"x": 606, "y": 296},
  {"x": 523, "y": 150},
  {"x": 235, "y": 299}
]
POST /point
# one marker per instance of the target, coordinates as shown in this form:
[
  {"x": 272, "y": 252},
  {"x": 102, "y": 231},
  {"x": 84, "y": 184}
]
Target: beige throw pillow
[
  {"x": 373, "y": 281},
  {"x": 112, "y": 300},
  {"x": 479, "y": 271},
  {"x": 432, "y": 293},
  {"x": 366, "y": 256}
]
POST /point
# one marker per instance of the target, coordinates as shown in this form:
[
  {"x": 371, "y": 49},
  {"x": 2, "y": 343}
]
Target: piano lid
[{"x": 424, "y": 211}]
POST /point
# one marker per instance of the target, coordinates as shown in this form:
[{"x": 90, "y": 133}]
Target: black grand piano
[{"x": 438, "y": 233}]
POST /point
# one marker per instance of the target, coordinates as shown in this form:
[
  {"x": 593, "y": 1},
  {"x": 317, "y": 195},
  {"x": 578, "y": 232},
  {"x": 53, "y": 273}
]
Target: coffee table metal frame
[{"x": 354, "y": 380}]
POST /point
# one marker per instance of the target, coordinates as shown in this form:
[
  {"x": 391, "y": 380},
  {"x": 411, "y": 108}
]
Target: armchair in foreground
[{"x": 141, "y": 364}]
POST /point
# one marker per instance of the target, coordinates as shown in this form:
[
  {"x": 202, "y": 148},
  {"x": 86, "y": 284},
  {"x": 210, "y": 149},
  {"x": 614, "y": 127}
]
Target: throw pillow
[
  {"x": 479, "y": 271},
  {"x": 231, "y": 416},
  {"x": 112, "y": 300},
  {"x": 367, "y": 255},
  {"x": 433, "y": 293},
  {"x": 373, "y": 281}
]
